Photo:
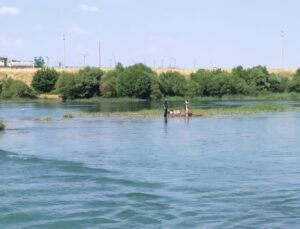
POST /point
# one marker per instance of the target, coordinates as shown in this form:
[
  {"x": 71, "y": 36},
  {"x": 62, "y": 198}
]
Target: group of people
[{"x": 186, "y": 109}]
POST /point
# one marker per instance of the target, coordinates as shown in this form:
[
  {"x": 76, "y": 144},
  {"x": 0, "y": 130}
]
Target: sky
[{"x": 190, "y": 33}]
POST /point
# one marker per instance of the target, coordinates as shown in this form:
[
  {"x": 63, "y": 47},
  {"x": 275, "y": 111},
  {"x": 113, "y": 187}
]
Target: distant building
[
  {"x": 7, "y": 63},
  {"x": 20, "y": 64}
]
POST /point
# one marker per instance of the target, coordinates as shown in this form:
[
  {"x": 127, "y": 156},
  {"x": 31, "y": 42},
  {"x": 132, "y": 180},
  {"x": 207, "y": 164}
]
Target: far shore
[{"x": 26, "y": 74}]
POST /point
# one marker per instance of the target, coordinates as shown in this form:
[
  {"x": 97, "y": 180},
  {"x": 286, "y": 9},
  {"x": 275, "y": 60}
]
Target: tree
[
  {"x": 135, "y": 81},
  {"x": 108, "y": 84},
  {"x": 44, "y": 80},
  {"x": 91, "y": 77},
  {"x": 155, "y": 91},
  {"x": 39, "y": 62},
  {"x": 10, "y": 89},
  {"x": 172, "y": 83},
  {"x": 201, "y": 78},
  {"x": 294, "y": 84}
]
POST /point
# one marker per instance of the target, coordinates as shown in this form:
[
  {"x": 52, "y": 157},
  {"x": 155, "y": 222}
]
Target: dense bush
[
  {"x": 71, "y": 86},
  {"x": 81, "y": 85},
  {"x": 44, "y": 80},
  {"x": 155, "y": 90},
  {"x": 172, "y": 83},
  {"x": 135, "y": 81},
  {"x": 108, "y": 84},
  {"x": 294, "y": 84},
  {"x": 91, "y": 77},
  {"x": 216, "y": 83},
  {"x": 260, "y": 80},
  {"x": 10, "y": 89}
]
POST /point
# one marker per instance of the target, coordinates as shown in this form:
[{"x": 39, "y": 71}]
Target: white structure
[{"x": 20, "y": 64}]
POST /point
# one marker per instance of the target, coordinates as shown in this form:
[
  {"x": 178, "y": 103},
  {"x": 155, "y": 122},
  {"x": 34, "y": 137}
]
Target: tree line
[{"x": 140, "y": 81}]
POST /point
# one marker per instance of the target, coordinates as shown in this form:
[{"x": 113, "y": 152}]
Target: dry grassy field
[{"x": 26, "y": 74}]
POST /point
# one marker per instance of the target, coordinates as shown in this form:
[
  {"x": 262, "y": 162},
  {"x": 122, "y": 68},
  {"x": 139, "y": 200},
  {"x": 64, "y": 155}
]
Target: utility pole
[
  {"x": 99, "y": 54},
  {"x": 64, "y": 39},
  {"x": 282, "y": 48},
  {"x": 84, "y": 56},
  {"x": 47, "y": 57}
]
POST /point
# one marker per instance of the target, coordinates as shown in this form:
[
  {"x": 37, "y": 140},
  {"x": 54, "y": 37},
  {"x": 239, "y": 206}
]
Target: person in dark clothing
[{"x": 165, "y": 105}]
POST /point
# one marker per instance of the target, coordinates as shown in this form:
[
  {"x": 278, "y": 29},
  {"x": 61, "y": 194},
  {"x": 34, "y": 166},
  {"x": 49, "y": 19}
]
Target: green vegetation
[
  {"x": 44, "y": 80},
  {"x": 172, "y": 84},
  {"x": 240, "y": 110},
  {"x": 140, "y": 82},
  {"x": 43, "y": 119},
  {"x": 108, "y": 84},
  {"x": 2, "y": 126},
  {"x": 13, "y": 89},
  {"x": 68, "y": 116},
  {"x": 39, "y": 62},
  {"x": 135, "y": 81},
  {"x": 82, "y": 85}
]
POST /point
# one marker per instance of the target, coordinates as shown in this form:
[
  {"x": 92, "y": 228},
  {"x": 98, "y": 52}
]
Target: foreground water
[{"x": 218, "y": 172}]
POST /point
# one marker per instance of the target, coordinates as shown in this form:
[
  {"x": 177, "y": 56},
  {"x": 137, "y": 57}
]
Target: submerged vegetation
[
  {"x": 141, "y": 82},
  {"x": 2, "y": 125}
]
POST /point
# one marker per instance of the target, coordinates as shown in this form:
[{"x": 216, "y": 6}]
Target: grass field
[{"x": 26, "y": 74}]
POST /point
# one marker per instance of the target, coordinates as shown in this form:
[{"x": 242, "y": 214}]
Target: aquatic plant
[
  {"x": 199, "y": 112},
  {"x": 43, "y": 119},
  {"x": 2, "y": 126},
  {"x": 68, "y": 116}
]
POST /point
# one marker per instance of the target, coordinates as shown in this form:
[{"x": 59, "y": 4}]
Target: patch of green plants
[
  {"x": 199, "y": 112},
  {"x": 43, "y": 119},
  {"x": 14, "y": 89},
  {"x": 44, "y": 80},
  {"x": 68, "y": 116},
  {"x": 2, "y": 126}
]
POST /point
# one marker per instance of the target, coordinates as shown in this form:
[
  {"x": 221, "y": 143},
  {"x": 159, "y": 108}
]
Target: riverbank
[
  {"x": 292, "y": 96},
  {"x": 26, "y": 74}
]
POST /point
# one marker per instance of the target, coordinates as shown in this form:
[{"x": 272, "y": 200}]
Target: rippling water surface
[{"x": 118, "y": 172}]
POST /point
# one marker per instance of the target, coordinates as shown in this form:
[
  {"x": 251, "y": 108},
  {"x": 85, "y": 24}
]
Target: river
[{"x": 134, "y": 172}]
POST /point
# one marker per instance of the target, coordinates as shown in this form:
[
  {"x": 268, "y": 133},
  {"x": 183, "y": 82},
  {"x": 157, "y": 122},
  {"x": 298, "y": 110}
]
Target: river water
[{"x": 125, "y": 172}]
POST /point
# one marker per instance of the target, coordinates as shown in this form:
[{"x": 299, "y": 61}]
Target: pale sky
[{"x": 205, "y": 33}]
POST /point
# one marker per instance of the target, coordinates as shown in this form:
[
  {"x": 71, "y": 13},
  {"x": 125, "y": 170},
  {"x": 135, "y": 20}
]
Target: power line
[{"x": 84, "y": 56}]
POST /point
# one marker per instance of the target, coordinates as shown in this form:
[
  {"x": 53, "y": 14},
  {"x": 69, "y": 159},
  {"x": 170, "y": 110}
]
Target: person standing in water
[
  {"x": 165, "y": 105},
  {"x": 187, "y": 108}
]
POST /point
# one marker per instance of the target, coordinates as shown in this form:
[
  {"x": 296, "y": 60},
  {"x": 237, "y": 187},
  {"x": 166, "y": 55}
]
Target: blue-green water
[{"x": 117, "y": 172}]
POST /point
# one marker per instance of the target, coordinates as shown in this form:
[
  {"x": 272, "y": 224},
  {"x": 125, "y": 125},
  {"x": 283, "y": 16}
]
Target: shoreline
[
  {"x": 26, "y": 74},
  {"x": 268, "y": 97}
]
